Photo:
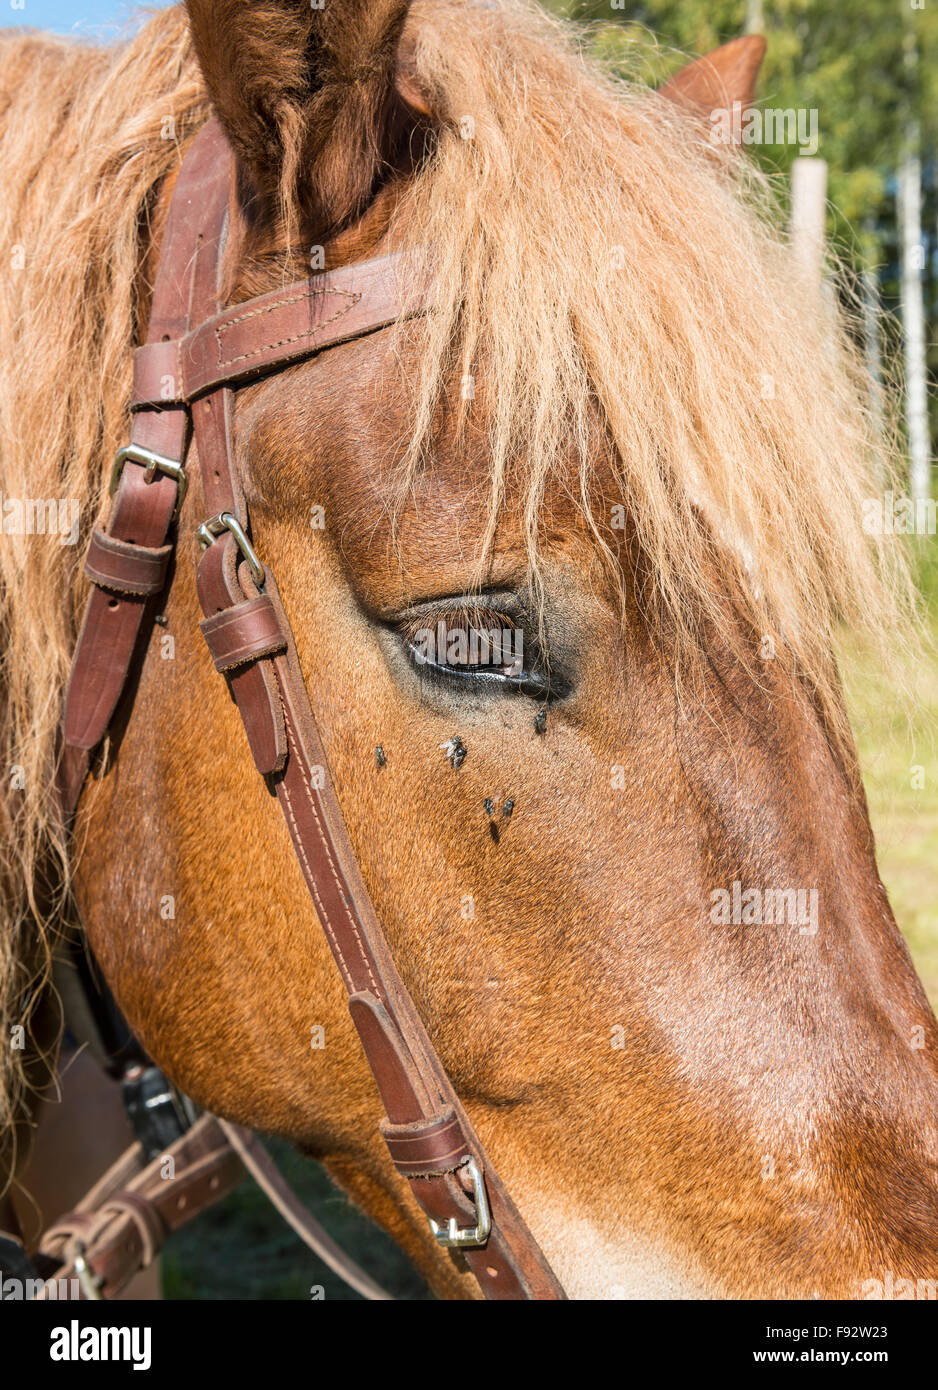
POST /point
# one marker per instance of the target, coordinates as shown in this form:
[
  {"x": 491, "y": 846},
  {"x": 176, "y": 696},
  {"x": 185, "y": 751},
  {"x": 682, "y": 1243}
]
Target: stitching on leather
[
  {"x": 232, "y": 615},
  {"x": 422, "y": 1150},
  {"x": 427, "y": 1160},
  {"x": 240, "y": 656},
  {"x": 282, "y": 342},
  {"x": 338, "y": 883},
  {"x": 113, "y": 545},
  {"x": 221, "y": 628},
  {"x": 118, "y": 584},
  {"x": 216, "y": 629},
  {"x": 436, "y": 1164},
  {"x": 312, "y": 878}
]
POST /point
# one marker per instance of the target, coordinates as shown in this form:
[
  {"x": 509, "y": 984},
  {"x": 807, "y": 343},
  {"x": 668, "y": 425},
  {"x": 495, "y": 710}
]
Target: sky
[{"x": 99, "y": 19}]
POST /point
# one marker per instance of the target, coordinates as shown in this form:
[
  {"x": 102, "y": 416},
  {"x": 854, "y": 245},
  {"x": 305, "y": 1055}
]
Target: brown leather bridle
[{"x": 195, "y": 356}]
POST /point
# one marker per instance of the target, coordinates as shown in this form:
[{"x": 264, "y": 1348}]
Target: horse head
[{"x": 563, "y": 558}]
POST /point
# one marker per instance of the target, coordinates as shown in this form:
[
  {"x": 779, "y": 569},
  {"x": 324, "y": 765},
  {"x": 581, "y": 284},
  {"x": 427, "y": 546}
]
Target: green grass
[
  {"x": 894, "y": 737},
  {"x": 242, "y": 1249}
]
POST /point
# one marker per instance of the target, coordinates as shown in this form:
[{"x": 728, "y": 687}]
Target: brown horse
[{"x": 639, "y": 913}]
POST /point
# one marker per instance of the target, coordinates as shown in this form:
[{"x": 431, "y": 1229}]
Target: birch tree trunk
[
  {"x": 808, "y": 212},
  {"x": 872, "y": 347},
  {"x": 755, "y": 17},
  {"x": 913, "y": 315}
]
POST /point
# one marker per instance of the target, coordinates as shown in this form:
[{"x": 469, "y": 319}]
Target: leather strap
[
  {"x": 243, "y": 633},
  {"x": 429, "y": 1134},
  {"x": 414, "y": 1092},
  {"x": 126, "y": 568},
  {"x": 145, "y": 503},
  {"x": 278, "y": 329},
  {"x": 279, "y": 1193},
  {"x": 426, "y": 1147},
  {"x": 122, "y": 1224}
]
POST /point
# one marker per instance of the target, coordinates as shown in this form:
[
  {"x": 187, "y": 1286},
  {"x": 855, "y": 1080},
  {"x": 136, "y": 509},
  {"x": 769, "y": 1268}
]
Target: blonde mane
[
  {"x": 86, "y": 135},
  {"x": 592, "y": 258}
]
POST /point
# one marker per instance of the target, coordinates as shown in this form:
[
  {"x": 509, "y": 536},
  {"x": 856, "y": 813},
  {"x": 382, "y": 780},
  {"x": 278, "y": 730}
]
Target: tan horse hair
[{"x": 589, "y": 249}]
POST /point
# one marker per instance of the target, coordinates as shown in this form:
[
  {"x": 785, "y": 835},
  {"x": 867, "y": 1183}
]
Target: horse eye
[{"x": 476, "y": 647}]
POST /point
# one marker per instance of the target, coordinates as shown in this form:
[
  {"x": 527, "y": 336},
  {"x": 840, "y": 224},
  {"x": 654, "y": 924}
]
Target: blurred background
[{"x": 865, "y": 194}]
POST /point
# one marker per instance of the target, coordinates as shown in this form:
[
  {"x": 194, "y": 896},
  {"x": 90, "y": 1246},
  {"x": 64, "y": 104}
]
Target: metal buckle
[
  {"x": 152, "y": 464},
  {"x": 158, "y": 1112},
  {"x": 216, "y": 526},
  {"x": 463, "y": 1237},
  {"x": 90, "y": 1283}
]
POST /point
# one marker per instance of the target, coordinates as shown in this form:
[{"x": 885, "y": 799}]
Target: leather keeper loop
[
  {"x": 427, "y": 1147},
  {"x": 126, "y": 568},
  {"x": 243, "y": 633},
  {"x": 157, "y": 376},
  {"x": 147, "y": 1220}
]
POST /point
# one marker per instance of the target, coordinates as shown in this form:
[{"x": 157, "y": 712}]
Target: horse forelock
[{"x": 624, "y": 296}]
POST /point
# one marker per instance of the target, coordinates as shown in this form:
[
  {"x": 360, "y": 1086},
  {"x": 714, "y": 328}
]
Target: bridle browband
[{"x": 195, "y": 356}]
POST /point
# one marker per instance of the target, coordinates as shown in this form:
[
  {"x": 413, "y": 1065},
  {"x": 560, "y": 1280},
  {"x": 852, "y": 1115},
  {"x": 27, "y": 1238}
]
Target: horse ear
[
  {"x": 309, "y": 98},
  {"x": 720, "y": 80}
]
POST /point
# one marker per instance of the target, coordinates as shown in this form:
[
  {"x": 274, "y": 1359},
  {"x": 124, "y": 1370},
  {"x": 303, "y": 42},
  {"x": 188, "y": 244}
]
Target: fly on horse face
[{"x": 522, "y": 504}]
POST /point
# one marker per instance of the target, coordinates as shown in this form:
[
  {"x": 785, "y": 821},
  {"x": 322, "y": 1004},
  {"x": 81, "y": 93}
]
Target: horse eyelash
[
  {"x": 534, "y": 681},
  {"x": 462, "y": 618},
  {"x": 466, "y": 619}
]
